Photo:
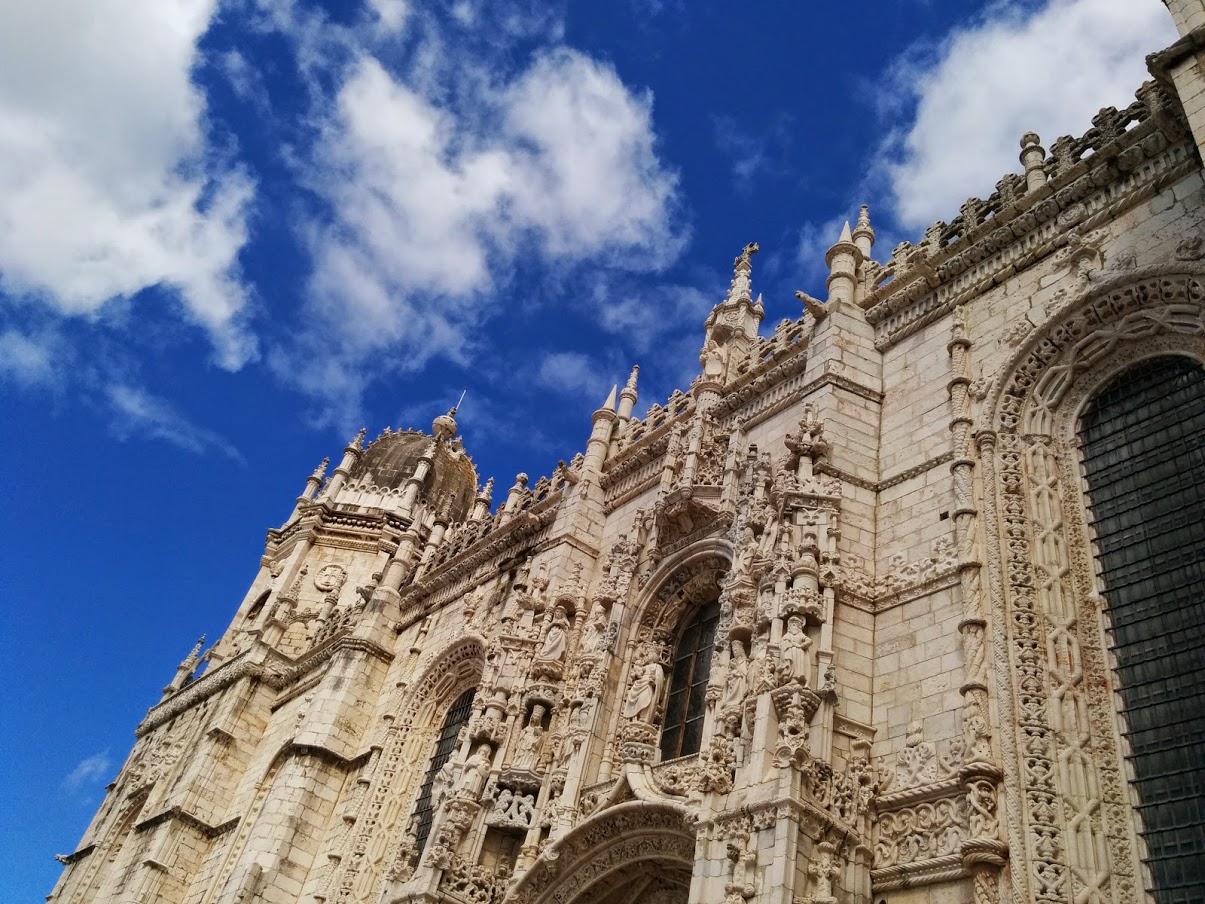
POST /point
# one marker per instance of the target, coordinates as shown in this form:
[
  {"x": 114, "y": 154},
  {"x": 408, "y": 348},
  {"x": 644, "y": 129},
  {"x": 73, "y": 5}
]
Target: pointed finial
[
  {"x": 609, "y": 404},
  {"x": 845, "y": 233},
  {"x": 741, "y": 268},
  {"x": 863, "y": 232},
  {"x": 190, "y": 661},
  {"x": 320, "y": 471},
  {"x": 631, "y": 384},
  {"x": 487, "y": 491},
  {"x": 357, "y": 444}
]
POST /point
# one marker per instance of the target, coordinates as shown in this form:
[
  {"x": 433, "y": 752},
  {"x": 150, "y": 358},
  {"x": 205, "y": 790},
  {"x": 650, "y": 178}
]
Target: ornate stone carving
[
  {"x": 925, "y": 831},
  {"x": 330, "y": 578}
]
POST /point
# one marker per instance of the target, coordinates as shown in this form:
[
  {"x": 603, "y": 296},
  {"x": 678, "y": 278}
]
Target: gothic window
[
  {"x": 1144, "y": 458},
  {"x": 683, "y": 729},
  {"x": 445, "y": 746}
]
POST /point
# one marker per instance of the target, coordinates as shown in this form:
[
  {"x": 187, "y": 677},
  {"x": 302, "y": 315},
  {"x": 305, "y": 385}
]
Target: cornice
[{"x": 994, "y": 239}]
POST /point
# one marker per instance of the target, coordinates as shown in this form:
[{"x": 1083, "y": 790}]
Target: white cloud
[
  {"x": 435, "y": 202},
  {"x": 572, "y": 373},
  {"x": 139, "y": 414},
  {"x": 391, "y": 14},
  {"x": 245, "y": 80},
  {"x": 1014, "y": 71},
  {"x": 104, "y": 185},
  {"x": 27, "y": 360},
  {"x": 87, "y": 771}
]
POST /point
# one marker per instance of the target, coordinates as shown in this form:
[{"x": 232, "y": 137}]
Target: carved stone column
[{"x": 983, "y": 853}]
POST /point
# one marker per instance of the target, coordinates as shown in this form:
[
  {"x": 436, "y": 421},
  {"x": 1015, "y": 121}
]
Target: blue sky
[{"x": 232, "y": 233}]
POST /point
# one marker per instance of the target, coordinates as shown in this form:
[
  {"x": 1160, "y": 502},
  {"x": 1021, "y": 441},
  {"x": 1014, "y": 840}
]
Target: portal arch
[
  {"x": 632, "y": 851},
  {"x": 1069, "y": 804}
]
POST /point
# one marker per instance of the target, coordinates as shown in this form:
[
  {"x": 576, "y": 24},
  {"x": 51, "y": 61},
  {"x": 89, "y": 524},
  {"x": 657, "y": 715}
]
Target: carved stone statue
[
  {"x": 594, "y": 636},
  {"x": 794, "y": 658},
  {"x": 714, "y": 359},
  {"x": 445, "y": 778},
  {"x": 552, "y": 651},
  {"x": 531, "y": 739},
  {"x": 736, "y": 684},
  {"x": 476, "y": 771},
  {"x": 645, "y": 692}
]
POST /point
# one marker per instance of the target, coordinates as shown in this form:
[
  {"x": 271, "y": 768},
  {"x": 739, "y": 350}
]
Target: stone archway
[
  {"x": 1069, "y": 805},
  {"x": 632, "y": 852}
]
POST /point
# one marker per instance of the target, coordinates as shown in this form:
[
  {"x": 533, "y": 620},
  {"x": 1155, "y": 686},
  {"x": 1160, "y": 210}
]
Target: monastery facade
[{"x": 898, "y": 603}]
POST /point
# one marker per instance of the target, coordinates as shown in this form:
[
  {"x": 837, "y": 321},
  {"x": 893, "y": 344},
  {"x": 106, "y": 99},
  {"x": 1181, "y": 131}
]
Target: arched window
[
  {"x": 1144, "y": 458},
  {"x": 445, "y": 746},
  {"x": 683, "y": 729}
]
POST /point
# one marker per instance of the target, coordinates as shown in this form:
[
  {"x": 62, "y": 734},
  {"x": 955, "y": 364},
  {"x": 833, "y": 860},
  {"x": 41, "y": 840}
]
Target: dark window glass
[
  {"x": 1144, "y": 458},
  {"x": 688, "y": 683},
  {"x": 457, "y": 716}
]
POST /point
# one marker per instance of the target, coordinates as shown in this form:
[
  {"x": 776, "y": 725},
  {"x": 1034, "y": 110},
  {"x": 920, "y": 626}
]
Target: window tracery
[
  {"x": 682, "y": 732},
  {"x": 445, "y": 748}
]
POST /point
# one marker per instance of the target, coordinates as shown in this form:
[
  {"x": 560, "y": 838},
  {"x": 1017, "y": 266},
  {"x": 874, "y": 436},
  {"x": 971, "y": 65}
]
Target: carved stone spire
[
  {"x": 627, "y": 398},
  {"x": 863, "y": 232},
  {"x": 732, "y": 324},
  {"x": 742, "y": 267}
]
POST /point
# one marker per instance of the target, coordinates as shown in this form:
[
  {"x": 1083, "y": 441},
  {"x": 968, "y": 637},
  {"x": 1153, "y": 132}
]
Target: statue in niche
[
  {"x": 794, "y": 658},
  {"x": 746, "y": 551},
  {"x": 645, "y": 692},
  {"x": 595, "y": 633},
  {"x": 552, "y": 651},
  {"x": 476, "y": 770},
  {"x": 565, "y": 754},
  {"x": 445, "y": 778},
  {"x": 714, "y": 359},
  {"x": 736, "y": 683},
  {"x": 531, "y": 739}
]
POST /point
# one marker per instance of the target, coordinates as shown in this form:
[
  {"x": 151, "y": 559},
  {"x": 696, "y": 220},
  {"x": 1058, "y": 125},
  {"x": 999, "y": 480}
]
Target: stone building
[{"x": 899, "y": 602}]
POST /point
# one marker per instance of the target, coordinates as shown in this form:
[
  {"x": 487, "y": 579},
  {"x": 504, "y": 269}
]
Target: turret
[
  {"x": 312, "y": 484},
  {"x": 597, "y": 446},
  {"x": 843, "y": 260},
  {"x": 481, "y": 505},
  {"x": 627, "y": 399},
  {"x": 1187, "y": 14},
  {"x": 732, "y": 324},
  {"x": 1033, "y": 158},
  {"x": 350, "y": 455},
  {"x": 864, "y": 233}
]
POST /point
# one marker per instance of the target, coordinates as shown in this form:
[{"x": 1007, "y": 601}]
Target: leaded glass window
[
  {"x": 684, "y": 710},
  {"x": 1144, "y": 457},
  {"x": 456, "y": 718}
]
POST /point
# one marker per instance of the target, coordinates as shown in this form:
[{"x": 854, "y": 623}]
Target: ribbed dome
[{"x": 392, "y": 458}]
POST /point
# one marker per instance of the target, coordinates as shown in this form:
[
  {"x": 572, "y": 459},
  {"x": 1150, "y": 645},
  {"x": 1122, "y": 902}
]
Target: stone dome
[{"x": 391, "y": 459}]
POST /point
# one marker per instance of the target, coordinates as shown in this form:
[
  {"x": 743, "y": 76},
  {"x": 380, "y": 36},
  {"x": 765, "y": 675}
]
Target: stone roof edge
[{"x": 988, "y": 237}]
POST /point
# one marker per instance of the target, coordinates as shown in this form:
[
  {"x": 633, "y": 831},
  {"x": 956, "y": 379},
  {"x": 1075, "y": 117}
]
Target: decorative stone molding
[
  {"x": 603, "y": 845},
  {"x": 1071, "y": 798}
]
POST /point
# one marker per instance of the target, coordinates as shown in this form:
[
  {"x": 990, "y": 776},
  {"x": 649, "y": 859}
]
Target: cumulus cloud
[
  {"x": 1016, "y": 70},
  {"x": 434, "y": 202},
  {"x": 138, "y": 413},
  {"x": 105, "y": 184}
]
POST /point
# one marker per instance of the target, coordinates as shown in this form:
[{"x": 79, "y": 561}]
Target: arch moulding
[
  {"x": 1068, "y": 807},
  {"x": 605, "y": 848}
]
